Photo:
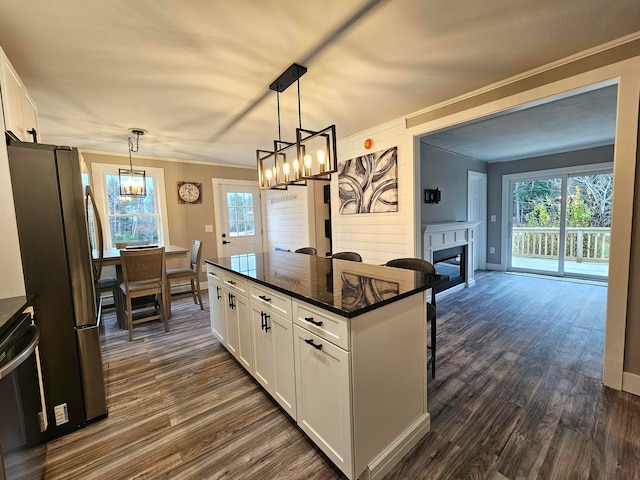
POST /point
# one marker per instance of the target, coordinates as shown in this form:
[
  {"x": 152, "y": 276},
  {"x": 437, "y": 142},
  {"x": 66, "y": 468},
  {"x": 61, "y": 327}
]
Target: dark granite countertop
[
  {"x": 346, "y": 288},
  {"x": 10, "y": 308}
]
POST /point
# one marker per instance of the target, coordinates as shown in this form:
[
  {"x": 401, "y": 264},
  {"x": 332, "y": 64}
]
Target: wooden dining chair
[
  {"x": 144, "y": 275},
  {"x": 191, "y": 275},
  {"x": 351, "y": 256},
  {"x": 307, "y": 251},
  {"x": 420, "y": 265}
]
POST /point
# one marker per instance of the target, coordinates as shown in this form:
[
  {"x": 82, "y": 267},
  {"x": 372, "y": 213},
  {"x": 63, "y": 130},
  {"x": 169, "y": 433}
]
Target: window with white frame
[{"x": 131, "y": 218}]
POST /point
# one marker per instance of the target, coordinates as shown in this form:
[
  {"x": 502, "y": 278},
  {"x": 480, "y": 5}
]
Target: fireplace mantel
[{"x": 438, "y": 236}]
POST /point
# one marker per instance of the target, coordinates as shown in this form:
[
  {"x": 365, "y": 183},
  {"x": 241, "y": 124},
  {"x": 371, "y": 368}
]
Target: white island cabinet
[
  {"x": 216, "y": 304},
  {"x": 340, "y": 345}
]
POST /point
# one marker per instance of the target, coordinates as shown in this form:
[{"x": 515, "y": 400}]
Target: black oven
[{"x": 22, "y": 402}]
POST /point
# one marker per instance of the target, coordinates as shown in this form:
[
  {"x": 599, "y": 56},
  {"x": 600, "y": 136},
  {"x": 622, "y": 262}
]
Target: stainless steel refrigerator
[{"x": 57, "y": 263}]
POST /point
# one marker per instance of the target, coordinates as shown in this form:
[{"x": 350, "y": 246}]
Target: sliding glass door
[
  {"x": 561, "y": 225},
  {"x": 536, "y": 220},
  {"x": 588, "y": 224}
]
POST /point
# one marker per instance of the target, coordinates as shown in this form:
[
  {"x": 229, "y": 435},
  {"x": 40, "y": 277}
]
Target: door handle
[
  {"x": 314, "y": 345},
  {"x": 224, "y": 242},
  {"x": 311, "y": 320}
]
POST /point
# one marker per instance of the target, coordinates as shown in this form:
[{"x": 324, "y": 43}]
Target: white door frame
[
  {"x": 217, "y": 217},
  {"x": 480, "y": 240}
]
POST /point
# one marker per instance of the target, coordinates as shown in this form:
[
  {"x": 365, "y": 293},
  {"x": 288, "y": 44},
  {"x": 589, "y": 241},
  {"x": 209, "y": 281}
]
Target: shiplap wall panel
[
  {"x": 286, "y": 218},
  {"x": 378, "y": 237}
]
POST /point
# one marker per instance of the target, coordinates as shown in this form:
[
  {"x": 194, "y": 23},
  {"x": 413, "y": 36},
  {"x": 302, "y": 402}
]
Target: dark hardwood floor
[{"x": 518, "y": 394}]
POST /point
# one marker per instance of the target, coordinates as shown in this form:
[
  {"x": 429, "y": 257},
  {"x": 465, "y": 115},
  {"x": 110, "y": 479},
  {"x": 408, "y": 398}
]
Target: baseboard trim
[
  {"x": 494, "y": 266},
  {"x": 383, "y": 463},
  {"x": 631, "y": 383}
]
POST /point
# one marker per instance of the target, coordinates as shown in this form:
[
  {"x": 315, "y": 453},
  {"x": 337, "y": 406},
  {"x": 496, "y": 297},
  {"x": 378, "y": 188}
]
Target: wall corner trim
[{"x": 631, "y": 383}]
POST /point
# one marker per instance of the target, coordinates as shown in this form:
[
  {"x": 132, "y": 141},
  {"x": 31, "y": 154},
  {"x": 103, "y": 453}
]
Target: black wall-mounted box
[{"x": 432, "y": 195}]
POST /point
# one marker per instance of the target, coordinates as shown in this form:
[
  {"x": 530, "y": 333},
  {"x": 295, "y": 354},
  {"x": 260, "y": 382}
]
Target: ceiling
[
  {"x": 195, "y": 73},
  {"x": 574, "y": 122}
]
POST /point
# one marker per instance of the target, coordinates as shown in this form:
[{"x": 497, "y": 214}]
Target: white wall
[
  {"x": 286, "y": 218},
  {"x": 378, "y": 237}
]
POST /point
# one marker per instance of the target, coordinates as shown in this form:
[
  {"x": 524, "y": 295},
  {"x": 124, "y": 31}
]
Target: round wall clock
[{"x": 189, "y": 192}]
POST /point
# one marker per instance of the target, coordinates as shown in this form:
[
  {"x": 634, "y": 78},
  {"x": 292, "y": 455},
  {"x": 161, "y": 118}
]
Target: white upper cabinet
[{"x": 20, "y": 112}]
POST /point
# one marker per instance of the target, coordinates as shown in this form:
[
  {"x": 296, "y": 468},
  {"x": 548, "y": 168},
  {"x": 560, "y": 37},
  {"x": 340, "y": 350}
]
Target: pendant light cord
[
  {"x": 278, "y": 97},
  {"x": 131, "y": 149},
  {"x": 299, "y": 113}
]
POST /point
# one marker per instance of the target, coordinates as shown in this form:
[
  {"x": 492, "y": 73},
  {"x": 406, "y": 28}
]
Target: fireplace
[
  {"x": 449, "y": 247},
  {"x": 451, "y": 262}
]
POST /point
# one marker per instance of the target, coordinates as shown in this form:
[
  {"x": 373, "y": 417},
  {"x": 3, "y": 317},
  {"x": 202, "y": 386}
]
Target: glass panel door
[
  {"x": 536, "y": 240},
  {"x": 588, "y": 225},
  {"x": 241, "y": 225}
]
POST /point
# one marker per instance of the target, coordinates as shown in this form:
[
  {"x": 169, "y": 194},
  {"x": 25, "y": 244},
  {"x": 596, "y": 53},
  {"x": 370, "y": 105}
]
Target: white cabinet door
[
  {"x": 323, "y": 395},
  {"x": 284, "y": 380},
  {"x": 30, "y": 114},
  {"x": 245, "y": 341},
  {"x": 263, "y": 348},
  {"x": 216, "y": 310},
  {"x": 12, "y": 93},
  {"x": 273, "y": 349},
  {"x": 231, "y": 320}
]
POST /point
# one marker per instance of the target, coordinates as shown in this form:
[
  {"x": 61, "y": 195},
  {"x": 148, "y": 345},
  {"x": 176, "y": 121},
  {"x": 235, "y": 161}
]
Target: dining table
[{"x": 112, "y": 257}]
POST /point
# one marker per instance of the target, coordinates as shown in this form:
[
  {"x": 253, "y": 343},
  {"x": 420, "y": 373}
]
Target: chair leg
[
  {"x": 129, "y": 318},
  {"x": 195, "y": 287},
  {"x": 163, "y": 314},
  {"x": 433, "y": 347},
  {"x": 117, "y": 303}
]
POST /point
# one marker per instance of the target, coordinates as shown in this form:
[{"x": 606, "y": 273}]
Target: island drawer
[
  {"x": 326, "y": 325},
  {"x": 235, "y": 283},
  {"x": 214, "y": 273},
  {"x": 271, "y": 300}
]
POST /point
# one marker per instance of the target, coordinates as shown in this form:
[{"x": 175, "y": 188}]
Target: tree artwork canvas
[{"x": 369, "y": 184}]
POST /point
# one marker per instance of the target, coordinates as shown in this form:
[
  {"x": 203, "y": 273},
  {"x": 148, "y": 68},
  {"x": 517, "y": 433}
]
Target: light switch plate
[
  {"x": 493, "y": 218},
  {"x": 208, "y": 228},
  {"x": 492, "y": 250}
]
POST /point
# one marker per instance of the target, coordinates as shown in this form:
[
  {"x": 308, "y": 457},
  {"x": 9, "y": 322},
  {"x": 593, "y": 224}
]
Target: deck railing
[{"x": 583, "y": 244}]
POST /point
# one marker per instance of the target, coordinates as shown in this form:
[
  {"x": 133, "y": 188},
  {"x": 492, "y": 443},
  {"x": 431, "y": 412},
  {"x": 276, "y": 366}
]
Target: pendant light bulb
[
  {"x": 285, "y": 170},
  {"x": 307, "y": 164},
  {"x": 322, "y": 157}
]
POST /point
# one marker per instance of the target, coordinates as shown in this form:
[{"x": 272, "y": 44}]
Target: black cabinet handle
[
  {"x": 33, "y": 133},
  {"x": 231, "y": 299},
  {"x": 262, "y": 320},
  {"x": 267, "y": 317},
  {"x": 218, "y": 290},
  {"x": 310, "y": 342},
  {"x": 231, "y": 282},
  {"x": 265, "y": 298},
  {"x": 311, "y": 320}
]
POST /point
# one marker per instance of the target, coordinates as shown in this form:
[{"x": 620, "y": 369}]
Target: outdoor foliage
[
  {"x": 131, "y": 218},
  {"x": 537, "y": 203}
]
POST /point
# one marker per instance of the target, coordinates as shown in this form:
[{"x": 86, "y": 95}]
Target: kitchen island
[{"x": 340, "y": 345}]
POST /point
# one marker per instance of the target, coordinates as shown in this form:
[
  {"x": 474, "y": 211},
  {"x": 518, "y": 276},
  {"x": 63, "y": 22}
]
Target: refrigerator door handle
[
  {"x": 97, "y": 264},
  {"x": 20, "y": 358}
]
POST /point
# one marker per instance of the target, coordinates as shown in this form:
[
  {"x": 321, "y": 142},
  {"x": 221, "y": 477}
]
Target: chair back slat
[
  {"x": 143, "y": 265},
  {"x": 417, "y": 264},
  {"x": 307, "y": 250},
  {"x": 351, "y": 256},
  {"x": 196, "y": 253}
]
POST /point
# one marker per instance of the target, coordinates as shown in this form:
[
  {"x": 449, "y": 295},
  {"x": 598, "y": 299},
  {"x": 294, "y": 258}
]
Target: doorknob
[{"x": 224, "y": 242}]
